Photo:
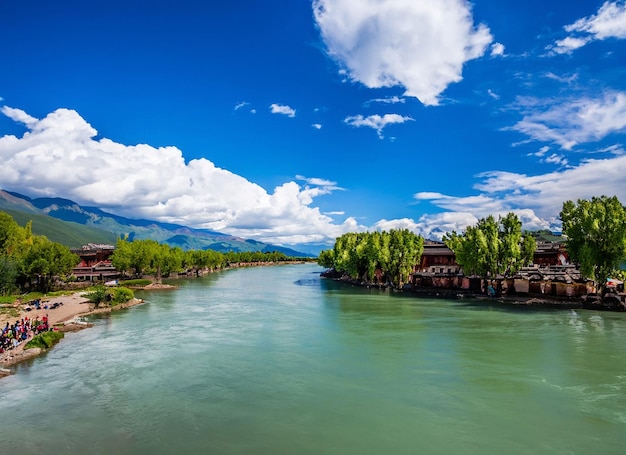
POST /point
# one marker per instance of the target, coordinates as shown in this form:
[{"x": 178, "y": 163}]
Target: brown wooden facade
[{"x": 95, "y": 263}]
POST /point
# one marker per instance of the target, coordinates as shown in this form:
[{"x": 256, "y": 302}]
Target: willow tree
[
  {"x": 360, "y": 255},
  {"x": 405, "y": 250},
  {"x": 492, "y": 248},
  {"x": 596, "y": 236}
]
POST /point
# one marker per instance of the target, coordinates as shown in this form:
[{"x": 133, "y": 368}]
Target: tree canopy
[
  {"x": 491, "y": 247},
  {"x": 360, "y": 255},
  {"x": 27, "y": 259},
  {"x": 596, "y": 235},
  {"x": 139, "y": 257}
]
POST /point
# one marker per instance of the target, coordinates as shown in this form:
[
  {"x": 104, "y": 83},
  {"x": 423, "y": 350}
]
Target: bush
[
  {"x": 44, "y": 340},
  {"x": 98, "y": 295},
  {"x": 122, "y": 295}
]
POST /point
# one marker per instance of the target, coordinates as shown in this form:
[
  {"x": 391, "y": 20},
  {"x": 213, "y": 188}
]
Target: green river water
[{"x": 274, "y": 360}]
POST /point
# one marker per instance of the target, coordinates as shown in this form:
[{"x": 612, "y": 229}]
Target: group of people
[
  {"x": 38, "y": 305},
  {"x": 14, "y": 334}
]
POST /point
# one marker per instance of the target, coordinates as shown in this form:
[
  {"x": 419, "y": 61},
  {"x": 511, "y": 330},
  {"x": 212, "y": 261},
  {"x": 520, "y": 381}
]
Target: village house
[
  {"x": 95, "y": 263},
  {"x": 437, "y": 258},
  {"x": 550, "y": 274}
]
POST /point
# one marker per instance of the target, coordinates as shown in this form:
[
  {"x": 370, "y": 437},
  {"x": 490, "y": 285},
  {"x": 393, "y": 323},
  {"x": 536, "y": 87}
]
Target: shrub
[
  {"x": 98, "y": 295},
  {"x": 44, "y": 340},
  {"x": 122, "y": 295}
]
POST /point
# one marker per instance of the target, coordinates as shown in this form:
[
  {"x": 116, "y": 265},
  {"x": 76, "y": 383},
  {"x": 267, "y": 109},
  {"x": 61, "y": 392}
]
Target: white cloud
[
  {"x": 387, "y": 100},
  {"x": 59, "y": 156},
  {"x": 537, "y": 200},
  {"x": 243, "y": 104},
  {"x": 572, "y": 122},
  {"x": 420, "y": 45},
  {"x": 563, "y": 79},
  {"x": 435, "y": 226},
  {"x": 317, "y": 126},
  {"x": 492, "y": 94},
  {"x": 402, "y": 223},
  {"x": 541, "y": 152},
  {"x": 19, "y": 115},
  {"x": 615, "y": 149},
  {"x": 376, "y": 122},
  {"x": 609, "y": 22},
  {"x": 557, "y": 159},
  {"x": 282, "y": 109},
  {"x": 318, "y": 181},
  {"x": 568, "y": 44},
  {"x": 497, "y": 49}
]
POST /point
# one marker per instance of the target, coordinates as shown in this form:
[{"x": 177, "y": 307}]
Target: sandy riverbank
[{"x": 63, "y": 317}]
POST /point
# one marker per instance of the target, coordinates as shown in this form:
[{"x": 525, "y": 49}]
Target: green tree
[
  {"x": 405, "y": 250},
  {"x": 46, "y": 260},
  {"x": 359, "y": 255},
  {"x": 15, "y": 243},
  {"x": 12, "y": 235},
  {"x": 99, "y": 295},
  {"x": 165, "y": 260},
  {"x": 8, "y": 275},
  {"x": 122, "y": 256},
  {"x": 326, "y": 259},
  {"x": 345, "y": 254},
  {"x": 491, "y": 247},
  {"x": 141, "y": 255},
  {"x": 596, "y": 236}
]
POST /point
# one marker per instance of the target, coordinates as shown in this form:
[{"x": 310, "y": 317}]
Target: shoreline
[
  {"x": 65, "y": 318},
  {"x": 612, "y": 302}
]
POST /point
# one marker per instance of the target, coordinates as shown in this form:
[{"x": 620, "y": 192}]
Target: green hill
[
  {"x": 66, "y": 222},
  {"x": 70, "y": 234}
]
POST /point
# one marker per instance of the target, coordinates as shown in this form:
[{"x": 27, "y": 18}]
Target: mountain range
[{"x": 71, "y": 224}]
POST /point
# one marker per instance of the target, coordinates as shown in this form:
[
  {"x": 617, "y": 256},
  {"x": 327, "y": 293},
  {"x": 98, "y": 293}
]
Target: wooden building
[
  {"x": 550, "y": 253},
  {"x": 437, "y": 258},
  {"x": 95, "y": 263}
]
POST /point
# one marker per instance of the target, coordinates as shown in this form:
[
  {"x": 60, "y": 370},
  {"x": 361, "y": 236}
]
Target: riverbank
[
  {"x": 66, "y": 317},
  {"x": 611, "y": 301}
]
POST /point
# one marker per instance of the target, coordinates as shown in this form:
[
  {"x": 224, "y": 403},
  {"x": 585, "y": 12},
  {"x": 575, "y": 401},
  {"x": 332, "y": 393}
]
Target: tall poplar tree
[
  {"x": 395, "y": 253},
  {"x": 492, "y": 248},
  {"x": 596, "y": 236}
]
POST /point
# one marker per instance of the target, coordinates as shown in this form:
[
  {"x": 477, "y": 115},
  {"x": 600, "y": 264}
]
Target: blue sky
[{"x": 293, "y": 122}]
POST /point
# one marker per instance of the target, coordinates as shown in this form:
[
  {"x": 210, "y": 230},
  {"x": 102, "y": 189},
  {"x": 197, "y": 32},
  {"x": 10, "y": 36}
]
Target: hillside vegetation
[{"x": 66, "y": 233}]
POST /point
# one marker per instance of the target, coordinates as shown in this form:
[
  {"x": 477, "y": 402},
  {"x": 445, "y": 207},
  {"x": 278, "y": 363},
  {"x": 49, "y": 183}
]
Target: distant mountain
[
  {"x": 71, "y": 234},
  {"x": 114, "y": 226}
]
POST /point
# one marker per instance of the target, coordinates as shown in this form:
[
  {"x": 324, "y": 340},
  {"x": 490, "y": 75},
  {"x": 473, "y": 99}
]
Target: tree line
[
  {"x": 29, "y": 261},
  {"x": 32, "y": 262},
  {"x": 141, "y": 257},
  {"x": 594, "y": 231},
  {"x": 360, "y": 255},
  {"x": 492, "y": 248}
]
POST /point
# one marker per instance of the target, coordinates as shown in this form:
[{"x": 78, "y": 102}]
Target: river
[{"x": 275, "y": 360}]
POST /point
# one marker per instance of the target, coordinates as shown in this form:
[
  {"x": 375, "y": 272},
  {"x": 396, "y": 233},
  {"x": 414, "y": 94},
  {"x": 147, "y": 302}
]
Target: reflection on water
[{"x": 275, "y": 360}]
